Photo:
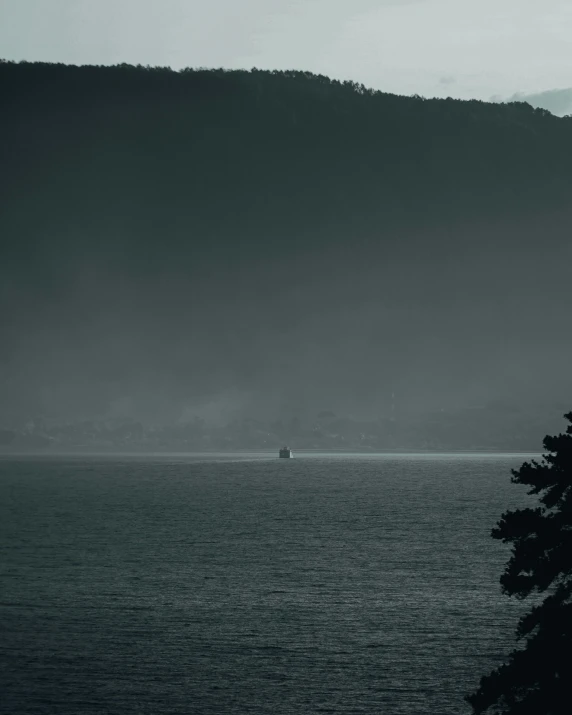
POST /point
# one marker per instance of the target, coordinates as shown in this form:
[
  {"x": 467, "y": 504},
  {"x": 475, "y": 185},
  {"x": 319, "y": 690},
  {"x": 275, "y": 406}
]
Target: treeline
[
  {"x": 205, "y": 150},
  {"x": 105, "y": 159}
]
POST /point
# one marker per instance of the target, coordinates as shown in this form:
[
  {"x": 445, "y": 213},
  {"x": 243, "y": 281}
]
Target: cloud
[
  {"x": 557, "y": 101},
  {"x": 447, "y": 79}
]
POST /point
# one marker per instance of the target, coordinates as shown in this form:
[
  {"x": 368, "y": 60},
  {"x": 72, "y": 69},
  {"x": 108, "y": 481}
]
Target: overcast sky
[{"x": 460, "y": 48}]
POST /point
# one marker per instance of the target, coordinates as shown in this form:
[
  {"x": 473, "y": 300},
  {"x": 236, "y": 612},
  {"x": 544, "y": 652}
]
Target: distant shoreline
[{"x": 266, "y": 453}]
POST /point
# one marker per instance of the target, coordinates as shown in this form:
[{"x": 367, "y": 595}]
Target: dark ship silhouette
[{"x": 285, "y": 453}]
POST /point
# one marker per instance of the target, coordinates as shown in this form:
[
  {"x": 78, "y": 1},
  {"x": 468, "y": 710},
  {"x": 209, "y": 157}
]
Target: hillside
[{"x": 171, "y": 235}]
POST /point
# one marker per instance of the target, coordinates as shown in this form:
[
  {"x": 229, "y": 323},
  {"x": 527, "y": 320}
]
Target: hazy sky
[{"x": 461, "y": 48}]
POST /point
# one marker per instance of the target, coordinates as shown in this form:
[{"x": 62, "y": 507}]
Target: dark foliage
[
  {"x": 128, "y": 149},
  {"x": 538, "y": 677},
  {"x": 235, "y": 166}
]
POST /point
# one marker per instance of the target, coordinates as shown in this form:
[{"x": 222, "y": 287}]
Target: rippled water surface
[{"x": 251, "y": 584}]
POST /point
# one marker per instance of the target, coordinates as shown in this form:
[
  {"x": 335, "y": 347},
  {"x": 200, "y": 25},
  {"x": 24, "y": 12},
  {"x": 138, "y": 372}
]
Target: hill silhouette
[{"x": 308, "y": 242}]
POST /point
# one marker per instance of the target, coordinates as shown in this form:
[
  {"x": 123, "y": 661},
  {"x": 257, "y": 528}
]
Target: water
[{"x": 251, "y": 584}]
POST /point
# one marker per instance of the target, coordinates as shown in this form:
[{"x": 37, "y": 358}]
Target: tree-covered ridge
[
  {"x": 268, "y": 143},
  {"x": 309, "y": 123},
  {"x": 23, "y": 77},
  {"x": 162, "y": 205},
  {"x": 292, "y": 99}
]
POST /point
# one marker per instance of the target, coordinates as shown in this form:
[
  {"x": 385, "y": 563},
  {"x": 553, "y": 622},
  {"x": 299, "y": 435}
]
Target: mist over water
[{"x": 257, "y": 585}]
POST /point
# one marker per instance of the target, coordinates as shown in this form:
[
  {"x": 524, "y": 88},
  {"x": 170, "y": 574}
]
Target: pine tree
[{"x": 537, "y": 680}]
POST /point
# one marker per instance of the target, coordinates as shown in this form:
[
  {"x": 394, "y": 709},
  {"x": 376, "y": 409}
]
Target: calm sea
[{"x": 249, "y": 584}]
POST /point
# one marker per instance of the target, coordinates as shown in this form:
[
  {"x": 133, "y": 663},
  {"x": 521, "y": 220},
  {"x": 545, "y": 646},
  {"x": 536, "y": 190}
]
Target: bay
[{"x": 248, "y": 584}]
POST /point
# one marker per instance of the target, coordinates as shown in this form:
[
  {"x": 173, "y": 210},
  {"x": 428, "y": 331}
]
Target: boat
[{"x": 285, "y": 453}]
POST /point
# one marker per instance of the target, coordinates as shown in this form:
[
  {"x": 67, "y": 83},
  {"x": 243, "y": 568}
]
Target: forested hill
[
  {"x": 124, "y": 187},
  {"x": 265, "y": 144}
]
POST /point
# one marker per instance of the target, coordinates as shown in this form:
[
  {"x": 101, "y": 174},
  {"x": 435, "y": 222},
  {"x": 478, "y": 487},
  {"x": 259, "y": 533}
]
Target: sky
[{"x": 484, "y": 49}]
